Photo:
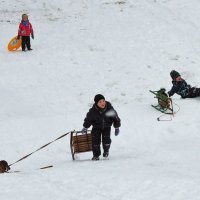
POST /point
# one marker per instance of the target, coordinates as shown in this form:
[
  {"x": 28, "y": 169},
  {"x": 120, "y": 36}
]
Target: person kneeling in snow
[
  {"x": 101, "y": 116},
  {"x": 181, "y": 87}
]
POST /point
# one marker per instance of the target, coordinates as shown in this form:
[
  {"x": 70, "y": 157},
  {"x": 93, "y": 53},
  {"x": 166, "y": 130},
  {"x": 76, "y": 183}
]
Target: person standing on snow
[
  {"x": 181, "y": 87},
  {"x": 25, "y": 30},
  {"x": 101, "y": 116}
]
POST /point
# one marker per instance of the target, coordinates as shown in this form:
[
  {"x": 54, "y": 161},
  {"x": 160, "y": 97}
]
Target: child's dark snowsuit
[
  {"x": 101, "y": 122},
  {"x": 182, "y": 88}
]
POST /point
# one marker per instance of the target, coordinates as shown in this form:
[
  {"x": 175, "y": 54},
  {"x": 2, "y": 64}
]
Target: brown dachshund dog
[{"x": 4, "y": 167}]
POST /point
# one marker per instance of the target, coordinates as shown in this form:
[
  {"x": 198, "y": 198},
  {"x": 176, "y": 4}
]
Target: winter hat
[
  {"x": 98, "y": 97},
  {"x": 174, "y": 74},
  {"x": 24, "y": 15}
]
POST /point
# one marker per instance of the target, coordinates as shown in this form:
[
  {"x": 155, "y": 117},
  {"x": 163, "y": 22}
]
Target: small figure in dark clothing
[
  {"x": 25, "y": 30},
  {"x": 181, "y": 87},
  {"x": 101, "y": 116}
]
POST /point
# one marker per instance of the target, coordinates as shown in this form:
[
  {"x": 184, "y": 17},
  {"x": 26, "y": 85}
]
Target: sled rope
[
  {"x": 42, "y": 147},
  {"x": 10, "y": 172}
]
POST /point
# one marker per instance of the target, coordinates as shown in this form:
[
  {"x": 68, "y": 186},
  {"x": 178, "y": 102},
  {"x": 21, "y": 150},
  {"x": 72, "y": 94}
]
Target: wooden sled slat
[{"x": 80, "y": 143}]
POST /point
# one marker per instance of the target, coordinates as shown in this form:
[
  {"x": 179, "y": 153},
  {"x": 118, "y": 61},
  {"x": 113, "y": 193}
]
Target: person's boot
[
  {"x": 105, "y": 154},
  {"x": 95, "y": 158}
]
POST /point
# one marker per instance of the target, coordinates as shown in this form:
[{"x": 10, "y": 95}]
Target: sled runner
[
  {"x": 80, "y": 142},
  {"x": 164, "y": 102},
  {"x": 14, "y": 44}
]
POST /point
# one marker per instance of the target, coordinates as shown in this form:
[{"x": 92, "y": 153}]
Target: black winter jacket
[
  {"x": 102, "y": 118},
  {"x": 180, "y": 87}
]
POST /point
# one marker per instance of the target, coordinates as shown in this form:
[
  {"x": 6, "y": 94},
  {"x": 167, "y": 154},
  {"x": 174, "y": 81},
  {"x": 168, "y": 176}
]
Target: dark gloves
[
  {"x": 84, "y": 130},
  {"x": 32, "y": 35},
  {"x": 117, "y": 131},
  {"x": 18, "y": 37}
]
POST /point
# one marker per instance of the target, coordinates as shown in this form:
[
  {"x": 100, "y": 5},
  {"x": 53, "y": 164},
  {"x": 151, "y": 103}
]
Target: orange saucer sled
[{"x": 14, "y": 44}]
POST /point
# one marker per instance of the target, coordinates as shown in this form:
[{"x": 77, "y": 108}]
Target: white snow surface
[{"x": 121, "y": 49}]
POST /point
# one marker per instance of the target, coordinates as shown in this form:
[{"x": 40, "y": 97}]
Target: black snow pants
[
  {"x": 26, "y": 43},
  {"x": 97, "y": 135},
  {"x": 194, "y": 92}
]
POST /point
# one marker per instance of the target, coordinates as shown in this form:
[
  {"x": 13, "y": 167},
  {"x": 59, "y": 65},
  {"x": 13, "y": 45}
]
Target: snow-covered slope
[{"x": 121, "y": 49}]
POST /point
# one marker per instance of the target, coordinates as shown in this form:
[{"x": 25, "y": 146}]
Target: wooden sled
[
  {"x": 80, "y": 142},
  {"x": 164, "y": 102}
]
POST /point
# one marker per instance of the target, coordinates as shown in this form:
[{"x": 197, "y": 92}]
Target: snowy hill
[{"x": 121, "y": 49}]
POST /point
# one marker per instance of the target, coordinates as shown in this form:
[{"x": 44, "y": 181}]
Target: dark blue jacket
[
  {"x": 102, "y": 118},
  {"x": 180, "y": 87}
]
